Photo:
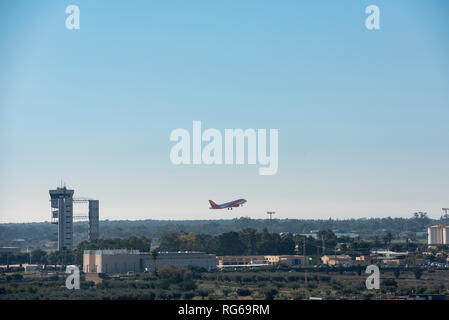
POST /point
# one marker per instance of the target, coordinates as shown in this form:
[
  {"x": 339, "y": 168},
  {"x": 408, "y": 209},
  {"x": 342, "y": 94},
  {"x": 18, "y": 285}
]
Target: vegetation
[
  {"x": 37, "y": 234},
  {"x": 231, "y": 237},
  {"x": 196, "y": 283},
  {"x": 246, "y": 242}
]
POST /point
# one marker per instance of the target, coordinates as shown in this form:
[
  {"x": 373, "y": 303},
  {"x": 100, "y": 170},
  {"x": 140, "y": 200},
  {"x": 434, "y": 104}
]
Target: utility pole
[{"x": 270, "y": 213}]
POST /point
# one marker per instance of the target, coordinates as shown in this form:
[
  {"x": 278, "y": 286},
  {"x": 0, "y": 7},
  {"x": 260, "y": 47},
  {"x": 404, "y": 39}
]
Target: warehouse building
[{"x": 124, "y": 261}]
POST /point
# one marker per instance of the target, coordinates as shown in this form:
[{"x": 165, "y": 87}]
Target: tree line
[
  {"x": 248, "y": 241},
  {"x": 36, "y": 234},
  {"x": 245, "y": 242}
]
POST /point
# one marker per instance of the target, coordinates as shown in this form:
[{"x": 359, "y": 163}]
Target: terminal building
[
  {"x": 438, "y": 235},
  {"x": 123, "y": 261}
]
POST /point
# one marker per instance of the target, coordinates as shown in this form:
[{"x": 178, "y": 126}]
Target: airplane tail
[{"x": 213, "y": 204}]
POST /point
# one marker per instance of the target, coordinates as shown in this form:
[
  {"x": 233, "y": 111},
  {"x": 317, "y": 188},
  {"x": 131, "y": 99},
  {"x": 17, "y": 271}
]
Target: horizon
[{"x": 230, "y": 219}]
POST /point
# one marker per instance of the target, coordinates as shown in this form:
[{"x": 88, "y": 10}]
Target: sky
[{"x": 362, "y": 114}]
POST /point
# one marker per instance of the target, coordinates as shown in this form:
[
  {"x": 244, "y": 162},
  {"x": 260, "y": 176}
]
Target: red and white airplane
[{"x": 227, "y": 205}]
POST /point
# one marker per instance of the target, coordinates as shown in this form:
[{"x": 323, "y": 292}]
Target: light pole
[{"x": 270, "y": 213}]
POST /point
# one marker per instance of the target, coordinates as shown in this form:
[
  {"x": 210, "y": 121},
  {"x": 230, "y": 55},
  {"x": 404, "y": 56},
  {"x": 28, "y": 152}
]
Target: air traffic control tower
[{"x": 62, "y": 214}]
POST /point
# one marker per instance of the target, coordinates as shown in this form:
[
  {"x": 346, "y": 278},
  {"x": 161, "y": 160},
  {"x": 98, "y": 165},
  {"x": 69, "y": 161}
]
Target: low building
[
  {"x": 181, "y": 259},
  {"x": 288, "y": 260},
  {"x": 262, "y": 260},
  {"x": 390, "y": 254},
  {"x": 333, "y": 260},
  {"x": 124, "y": 261},
  {"x": 50, "y": 244},
  {"x": 32, "y": 267},
  {"x": 112, "y": 261},
  {"x": 235, "y": 261},
  {"x": 364, "y": 260},
  {"x": 389, "y": 262},
  {"x": 11, "y": 250}
]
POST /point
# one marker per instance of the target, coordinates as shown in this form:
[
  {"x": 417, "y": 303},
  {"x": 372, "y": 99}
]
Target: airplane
[{"x": 227, "y": 205}]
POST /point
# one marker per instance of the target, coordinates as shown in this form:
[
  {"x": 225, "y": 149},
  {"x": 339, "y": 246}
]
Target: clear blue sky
[{"x": 362, "y": 115}]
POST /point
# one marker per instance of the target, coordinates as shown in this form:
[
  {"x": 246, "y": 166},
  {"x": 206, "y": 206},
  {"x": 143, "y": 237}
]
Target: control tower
[
  {"x": 62, "y": 202},
  {"x": 62, "y": 214}
]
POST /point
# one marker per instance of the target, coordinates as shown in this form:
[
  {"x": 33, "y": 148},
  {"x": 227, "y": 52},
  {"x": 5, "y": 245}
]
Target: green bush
[
  {"x": 188, "y": 295},
  {"x": 270, "y": 294},
  {"x": 243, "y": 292}
]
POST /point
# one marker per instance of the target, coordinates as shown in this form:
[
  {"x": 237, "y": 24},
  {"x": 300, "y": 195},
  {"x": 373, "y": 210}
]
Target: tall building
[
  {"x": 438, "y": 234},
  {"x": 62, "y": 213}
]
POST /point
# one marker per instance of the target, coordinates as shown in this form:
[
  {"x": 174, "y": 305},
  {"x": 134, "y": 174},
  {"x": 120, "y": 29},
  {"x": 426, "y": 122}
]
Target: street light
[{"x": 270, "y": 213}]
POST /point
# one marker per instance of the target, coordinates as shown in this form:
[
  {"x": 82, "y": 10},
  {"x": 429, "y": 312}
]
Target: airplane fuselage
[{"x": 227, "y": 205}]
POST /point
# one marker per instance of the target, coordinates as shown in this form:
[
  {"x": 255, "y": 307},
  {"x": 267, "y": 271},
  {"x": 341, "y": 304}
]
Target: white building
[
  {"x": 438, "y": 234},
  {"x": 123, "y": 261}
]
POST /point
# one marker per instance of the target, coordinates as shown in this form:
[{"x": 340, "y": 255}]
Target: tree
[
  {"x": 287, "y": 245},
  {"x": 170, "y": 241},
  {"x": 229, "y": 243},
  {"x": 270, "y": 294},
  {"x": 418, "y": 273},
  {"x": 248, "y": 237},
  {"x": 203, "y": 293},
  {"x": 359, "y": 269},
  {"x": 377, "y": 241},
  {"x": 39, "y": 256},
  {"x": 387, "y": 239},
  {"x": 171, "y": 273},
  {"x": 243, "y": 292},
  {"x": 397, "y": 273},
  {"x": 53, "y": 258},
  {"x": 341, "y": 270},
  {"x": 154, "y": 254},
  {"x": 268, "y": 243}
]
